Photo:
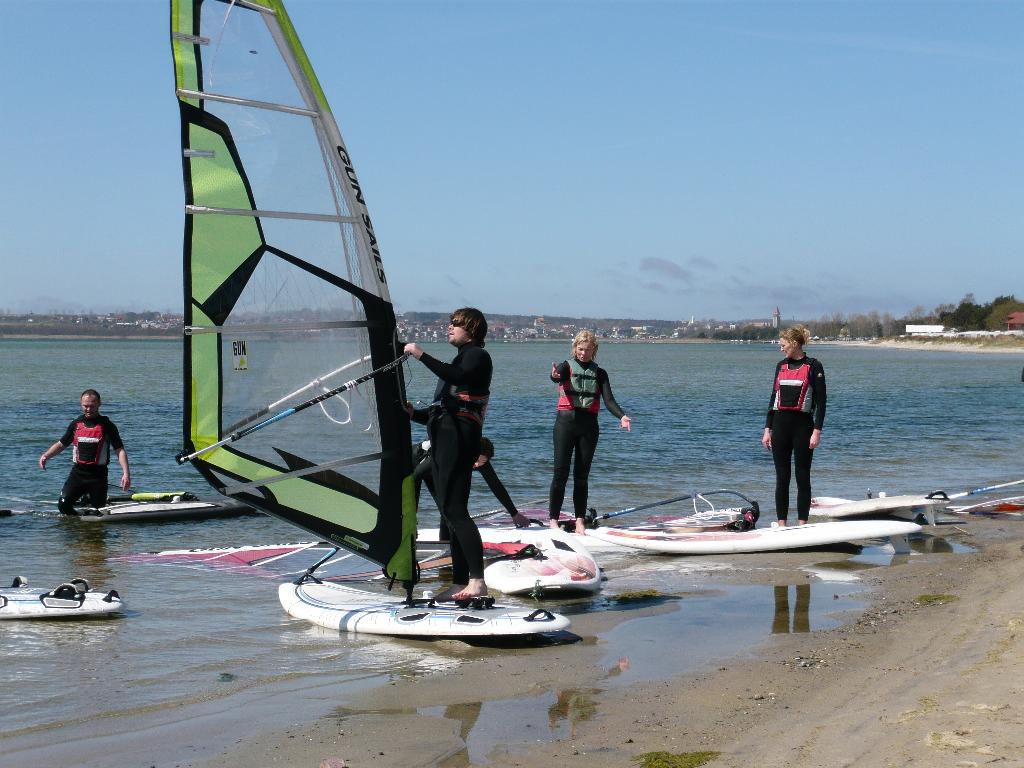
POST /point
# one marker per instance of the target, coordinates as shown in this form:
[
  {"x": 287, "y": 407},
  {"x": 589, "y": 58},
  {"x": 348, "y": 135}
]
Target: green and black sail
[{"x": 285, "y": 292}]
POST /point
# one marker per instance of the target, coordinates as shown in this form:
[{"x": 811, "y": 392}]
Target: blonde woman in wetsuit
[
  {"x": 796, "y": 414},
  {"x": 582, "y": 384}
]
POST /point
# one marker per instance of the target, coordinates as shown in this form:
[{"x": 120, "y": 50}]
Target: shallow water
[{"x": 898, "y": 421}]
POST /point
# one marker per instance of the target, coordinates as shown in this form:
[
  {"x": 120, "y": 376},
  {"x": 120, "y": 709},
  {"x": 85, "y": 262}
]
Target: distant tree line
[{"x": 968, "y": 315}]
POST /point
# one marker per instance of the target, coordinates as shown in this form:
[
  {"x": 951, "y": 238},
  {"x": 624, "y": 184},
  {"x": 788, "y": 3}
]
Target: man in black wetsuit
[
  {"x": 91, "y": 436},
  {"x": 454, "y": 422},
  {"x": 423, "y": 473}
]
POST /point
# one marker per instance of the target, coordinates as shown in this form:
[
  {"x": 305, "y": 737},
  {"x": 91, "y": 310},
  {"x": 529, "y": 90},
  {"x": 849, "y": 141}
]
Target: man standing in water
[{"x": 91, "y": 436}]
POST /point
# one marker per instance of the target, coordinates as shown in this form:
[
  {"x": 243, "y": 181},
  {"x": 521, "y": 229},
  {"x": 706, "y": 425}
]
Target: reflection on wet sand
[
  {"x": 931, "y": 544},
  {"x": 87, "y": 543},
  {"x": 801, "y": 621},
  {"x": 466, "y": 714},
  {"x": 574, "y": 706}
]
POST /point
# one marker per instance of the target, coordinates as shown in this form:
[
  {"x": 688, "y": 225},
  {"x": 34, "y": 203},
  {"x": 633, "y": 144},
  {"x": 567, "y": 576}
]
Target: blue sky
[{"x": 613, "y": 159}]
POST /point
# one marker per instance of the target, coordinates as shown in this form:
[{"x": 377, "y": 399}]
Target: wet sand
[{"x": 900, "y": 683}]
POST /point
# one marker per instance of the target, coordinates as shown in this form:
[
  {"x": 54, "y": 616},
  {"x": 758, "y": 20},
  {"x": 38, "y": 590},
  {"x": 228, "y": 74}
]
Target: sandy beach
[
  {"x": 1005, "y": 345},
  {"x": 910, "y": 680}
]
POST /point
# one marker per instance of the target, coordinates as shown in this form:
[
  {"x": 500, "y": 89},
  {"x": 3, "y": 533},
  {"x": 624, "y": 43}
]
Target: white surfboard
[
  {"x": 908, "y": 506},
  {"x": 73, "y": 600},
  {"x": 561, "y": 567},
  {"x": 340, "y": 607},
  {"x": 756, "y": 539}
]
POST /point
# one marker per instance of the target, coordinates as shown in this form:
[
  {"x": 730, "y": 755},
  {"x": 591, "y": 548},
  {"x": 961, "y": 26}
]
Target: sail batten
[
  {"x": 188, "y": 93},
  {"x": 283, "y": 274},
  {"x": 233, "y": 490},
  {"x": 195, "y": 40},
  {"x": 284, "y": 327},
  {"x": 205, "y": 209}
]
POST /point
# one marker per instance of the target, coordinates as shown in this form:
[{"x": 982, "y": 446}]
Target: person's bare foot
[
  {"x": 581, "y": 526},
  {"x": 553, "y": 524},
  {"x": 446, "y": 594},
  {"x": 781, "y": 523},
  {"x": 475, "y": 588}
]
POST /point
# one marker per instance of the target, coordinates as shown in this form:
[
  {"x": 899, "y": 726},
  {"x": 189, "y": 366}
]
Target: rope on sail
[{"x": 234, "y": 436}]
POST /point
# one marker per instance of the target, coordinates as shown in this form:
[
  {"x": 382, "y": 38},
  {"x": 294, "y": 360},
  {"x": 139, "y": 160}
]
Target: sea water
[{"x": 899, "y": 421}]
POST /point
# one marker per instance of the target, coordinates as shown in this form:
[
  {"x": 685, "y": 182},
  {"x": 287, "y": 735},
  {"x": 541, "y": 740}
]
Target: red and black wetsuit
[
  {"x": 454, "y": 424},
  {"x": 795, "y": 410},
  {"x": 581, "y": 386},
  {"x": 92, "y": 439}
]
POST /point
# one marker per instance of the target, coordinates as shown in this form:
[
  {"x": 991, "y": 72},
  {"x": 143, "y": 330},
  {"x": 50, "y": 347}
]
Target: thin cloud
[{"x": 665, "y": 268}]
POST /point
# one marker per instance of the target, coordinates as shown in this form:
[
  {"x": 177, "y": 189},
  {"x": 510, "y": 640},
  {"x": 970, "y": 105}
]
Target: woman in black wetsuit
[
  {"x": 582, "y": 384},
  {"x": 796, "y": 414},
  {"x": 423, "y": 472},
  {"x": 454, "y": 422}
]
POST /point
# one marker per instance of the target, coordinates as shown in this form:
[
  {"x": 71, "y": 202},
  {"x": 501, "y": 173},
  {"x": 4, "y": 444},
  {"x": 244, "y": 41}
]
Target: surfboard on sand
[
  {"x": 346, "y": 609},
  {"x": 72, "y": 600},
  {"x": 756, "y": 539},
  {"x": 559, "y": 567},
  {"x": 1012, "y": 506},
  {"x": 910, "y": 507}
]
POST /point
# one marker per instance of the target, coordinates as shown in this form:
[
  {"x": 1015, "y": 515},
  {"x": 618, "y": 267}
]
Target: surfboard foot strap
[
  {"x": 540, "y": 615},
  {"x": 476, "y": 603}
]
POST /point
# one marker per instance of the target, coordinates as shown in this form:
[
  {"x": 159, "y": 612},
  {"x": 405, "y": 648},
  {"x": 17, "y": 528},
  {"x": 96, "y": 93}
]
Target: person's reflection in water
[
  {"x": 801, "y": 610},
  {"x": 87, "y": 544},
  {"x": 466, "y": 713},
  {"x": 573, "y": 705}
]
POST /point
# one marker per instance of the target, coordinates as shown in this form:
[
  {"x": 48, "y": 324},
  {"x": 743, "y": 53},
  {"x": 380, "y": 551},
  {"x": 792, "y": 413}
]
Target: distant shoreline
[
  {"x": 89, "y": 337},
  {"x": 997, "y": 345}
]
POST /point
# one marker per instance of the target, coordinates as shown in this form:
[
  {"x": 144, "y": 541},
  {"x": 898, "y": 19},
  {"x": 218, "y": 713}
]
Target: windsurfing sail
[{"x": 286, "y": 298}]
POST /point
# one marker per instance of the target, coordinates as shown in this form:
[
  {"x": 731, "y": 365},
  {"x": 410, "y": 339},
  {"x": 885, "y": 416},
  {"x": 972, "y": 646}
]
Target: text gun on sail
[{"x": 183, "y": 458}]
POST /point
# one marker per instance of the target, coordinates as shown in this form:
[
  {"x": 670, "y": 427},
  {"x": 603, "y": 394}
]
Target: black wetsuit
[
  {"x": 576, "y": 431},
  {"x": 88, "y": 476},
  {"x": 423, "y": 473},
  {"x": 454, "y": 423},
  {"x": 791, "y": 437}
]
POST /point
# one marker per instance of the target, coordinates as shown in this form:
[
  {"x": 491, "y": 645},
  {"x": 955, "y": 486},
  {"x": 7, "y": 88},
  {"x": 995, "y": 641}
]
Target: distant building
[
  {"x": 1015, "y": 321},
  {"x": 776, "y": 318},
  {"x": 925, "y": 330}
]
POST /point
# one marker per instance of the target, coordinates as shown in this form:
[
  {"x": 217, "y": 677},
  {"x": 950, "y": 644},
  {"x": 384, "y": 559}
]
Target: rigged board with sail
[
  {"x": 293, "y": 388},
  {"x": 286, "y": 298}
]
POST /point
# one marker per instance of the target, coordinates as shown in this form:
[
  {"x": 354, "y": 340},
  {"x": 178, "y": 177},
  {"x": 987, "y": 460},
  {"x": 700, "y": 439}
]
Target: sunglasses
[{"x": 456, "y": 322}]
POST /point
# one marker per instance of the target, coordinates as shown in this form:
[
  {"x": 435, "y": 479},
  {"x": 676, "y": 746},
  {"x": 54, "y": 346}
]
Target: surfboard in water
[
  {"x": 293, "y": 387},
  {"x": 337, "y": 606},
  {"x": 72, "y": 600}
]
